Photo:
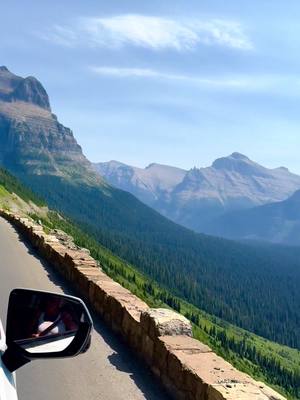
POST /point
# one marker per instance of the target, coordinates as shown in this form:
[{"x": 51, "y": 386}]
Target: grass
[{"x": 3, "y": 192}]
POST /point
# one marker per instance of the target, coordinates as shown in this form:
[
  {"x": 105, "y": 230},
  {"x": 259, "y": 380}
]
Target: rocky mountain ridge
[
  {"x": 152, "y": 184},
  {"x": 196, "y": 197},
  {"x": 13, "y": 88},
  {"x": 32, "y": 139},
  {"x": 46, "y": 157}
]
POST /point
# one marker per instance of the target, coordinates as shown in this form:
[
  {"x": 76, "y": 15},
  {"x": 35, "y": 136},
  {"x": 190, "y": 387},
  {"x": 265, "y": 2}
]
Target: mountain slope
[
  {"x": 194, "y": 198},
  {"x": 276, "y": 222},
  {"x": 16, "y": 197},
  {"x": 152, "y": 185},
  {"x": 32, "y": 140},
  {"x": 264, "y": 360},
  {"x": 224, "y": 278}
]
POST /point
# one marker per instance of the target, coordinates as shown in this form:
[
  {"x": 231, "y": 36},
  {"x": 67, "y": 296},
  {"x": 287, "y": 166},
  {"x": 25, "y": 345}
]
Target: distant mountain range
[
  {"x": 228, "y": 279},
  {"x": 201, "y": 198},
  {"x": 153, "y": 185},
  {"x": 217, "y": 200},
  {"x": 276, "y": 222}
]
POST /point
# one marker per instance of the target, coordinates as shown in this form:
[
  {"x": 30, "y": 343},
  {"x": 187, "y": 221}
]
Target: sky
[{"x": 169, "y": 81}]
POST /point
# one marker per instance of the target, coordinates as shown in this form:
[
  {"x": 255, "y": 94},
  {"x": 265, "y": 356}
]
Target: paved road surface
[{"x": 107, "y": 371}]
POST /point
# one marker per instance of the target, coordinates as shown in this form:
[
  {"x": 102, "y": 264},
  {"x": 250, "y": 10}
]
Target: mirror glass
[{"x": 44, "y": 322}]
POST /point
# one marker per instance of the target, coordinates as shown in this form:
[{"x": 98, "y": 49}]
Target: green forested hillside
[
  {"x": 13, "y": 185},
  {"x": 275, "y": 364},
  {"x": 256, "y": 288}
]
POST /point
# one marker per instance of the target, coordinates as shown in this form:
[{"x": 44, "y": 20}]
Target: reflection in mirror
[{"x": 44, "y": 322}]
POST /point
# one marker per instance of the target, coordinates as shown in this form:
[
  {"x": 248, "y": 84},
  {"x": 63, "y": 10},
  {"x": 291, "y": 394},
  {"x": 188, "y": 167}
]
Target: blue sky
[{"x": 173, "y": 82}]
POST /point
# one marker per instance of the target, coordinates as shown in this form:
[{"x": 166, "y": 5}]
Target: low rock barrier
[{"x": 188, "y": 369}]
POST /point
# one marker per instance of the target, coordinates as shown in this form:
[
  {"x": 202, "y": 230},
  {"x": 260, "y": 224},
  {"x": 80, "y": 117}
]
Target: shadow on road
[{"x": 123, "y": 359}]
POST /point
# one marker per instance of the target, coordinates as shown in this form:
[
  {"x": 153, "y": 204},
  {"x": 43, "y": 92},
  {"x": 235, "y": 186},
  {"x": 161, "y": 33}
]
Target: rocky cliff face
[
  {"x": 196, "y": 197},
  {"x": 13, "y": 88},
  {"x": 32, "y": 139},
  {"x": 151, "y": 185},
  {"x": 31, "y": 91}
]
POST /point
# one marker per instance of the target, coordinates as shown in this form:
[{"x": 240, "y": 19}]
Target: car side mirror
[{"x": 44, "y": 325}]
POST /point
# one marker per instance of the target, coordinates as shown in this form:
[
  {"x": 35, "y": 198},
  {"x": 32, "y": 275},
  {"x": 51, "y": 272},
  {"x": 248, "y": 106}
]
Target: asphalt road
[{"x": 107, "y": 371}]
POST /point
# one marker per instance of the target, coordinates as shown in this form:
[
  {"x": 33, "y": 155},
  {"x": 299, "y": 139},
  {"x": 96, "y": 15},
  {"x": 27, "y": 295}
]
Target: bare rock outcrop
[
  {"x": 161, "y": 322},
  {"x": 32, "y": 139}
]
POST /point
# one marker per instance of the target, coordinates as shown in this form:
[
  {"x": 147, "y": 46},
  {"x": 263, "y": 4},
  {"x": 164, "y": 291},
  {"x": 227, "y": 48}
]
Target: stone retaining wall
[{"x": 188, "y": 369}]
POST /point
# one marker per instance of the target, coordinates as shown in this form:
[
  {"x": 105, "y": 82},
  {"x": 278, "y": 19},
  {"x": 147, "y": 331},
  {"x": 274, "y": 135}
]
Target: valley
[
  {"x": 204, "y": 199},
  {"x": 263, "y": 359},
  {"x": 240, "y": 296}
]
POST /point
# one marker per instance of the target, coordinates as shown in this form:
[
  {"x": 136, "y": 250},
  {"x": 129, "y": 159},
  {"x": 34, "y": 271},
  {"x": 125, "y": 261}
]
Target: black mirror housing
[{"x": 45, "y": 325}]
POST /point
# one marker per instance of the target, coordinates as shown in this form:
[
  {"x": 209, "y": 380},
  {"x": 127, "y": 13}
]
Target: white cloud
[
  {"x": 128, "y": 72},
  {"x": 269, "y": 83},
  {"x": 138, "y": 30},
  {"x": 154, "y": 74},
  {"x": 64, "y": 36},
  {"x": 156, "y": 33}
]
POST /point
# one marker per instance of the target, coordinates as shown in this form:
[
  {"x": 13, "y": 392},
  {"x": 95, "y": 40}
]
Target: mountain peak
[
  {"x": 150, "y": 165},
  {"x": 115, "y": 164},
  {"x": 153, "y": 165},
  {"x": 32, "y": 139},
  {"x": 29, "y": 90},
  {"x": 242, "y": 165},
  {"x": 239, "y": 156},
  {"x": 32, "y": 91},
  {"x": 235, "y": 162},
  {"x": 3, "y": 68},
  {"x": 285, "y": 169}
]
